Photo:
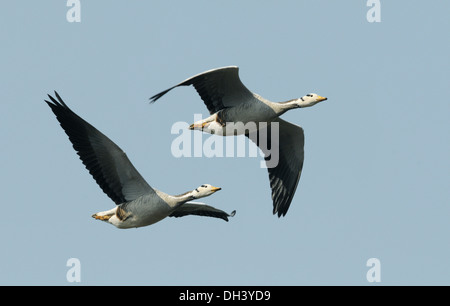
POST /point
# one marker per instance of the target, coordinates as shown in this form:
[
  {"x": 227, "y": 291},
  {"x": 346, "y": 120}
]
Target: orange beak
[{"x": 320, "y": 99}]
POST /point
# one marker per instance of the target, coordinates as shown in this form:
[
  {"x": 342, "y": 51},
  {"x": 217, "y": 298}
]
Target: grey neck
[
  {"x": 282, "y": 107},
  {"x": 185, "y": 197}
]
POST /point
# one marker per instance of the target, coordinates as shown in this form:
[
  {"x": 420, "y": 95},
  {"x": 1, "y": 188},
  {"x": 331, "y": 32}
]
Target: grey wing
[
  {"x": 219, "y": 88},
  {"x": 105, "y": 161},
  {"x": 284, "y": 177},
  {"x": 200, "y": 209}
]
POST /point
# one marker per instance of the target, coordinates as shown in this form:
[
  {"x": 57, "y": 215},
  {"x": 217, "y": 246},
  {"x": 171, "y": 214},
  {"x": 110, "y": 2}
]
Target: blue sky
[{"x": 375, "y": 182}]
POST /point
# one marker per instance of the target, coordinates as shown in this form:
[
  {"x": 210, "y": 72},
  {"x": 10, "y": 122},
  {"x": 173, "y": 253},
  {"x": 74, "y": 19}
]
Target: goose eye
[{"x": 203, "y": 186}]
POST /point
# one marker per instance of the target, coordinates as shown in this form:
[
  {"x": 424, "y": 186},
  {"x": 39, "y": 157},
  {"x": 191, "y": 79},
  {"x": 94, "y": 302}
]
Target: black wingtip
[
  {"x": 52, "y": 99},
  {"x": 156, "y": 97},
  {"x": 229, "y": 216},
  {"x": 159, "y": 95},
  {"x": 280, "y": 212},
  {"x": 56, "y": 102},
  {"x": 57, "y": 96}
]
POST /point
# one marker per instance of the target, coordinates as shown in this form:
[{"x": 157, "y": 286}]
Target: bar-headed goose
[
  {"x": 230, "y": 102},
  {"x": 138, "y": 204}
]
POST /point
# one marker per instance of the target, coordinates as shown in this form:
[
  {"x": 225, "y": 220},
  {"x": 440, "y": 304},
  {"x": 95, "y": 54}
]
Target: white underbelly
[{"x": 232, "y": 128}]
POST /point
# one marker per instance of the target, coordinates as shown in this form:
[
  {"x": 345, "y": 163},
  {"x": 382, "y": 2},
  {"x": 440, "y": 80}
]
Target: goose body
[
  {"x": 238, "y": 120},
  {"x": 232, "y": 105},
  {"x": 138, "y": 204}
]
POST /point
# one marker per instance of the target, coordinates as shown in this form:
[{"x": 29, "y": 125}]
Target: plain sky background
[{"x": 375, "y": 182}]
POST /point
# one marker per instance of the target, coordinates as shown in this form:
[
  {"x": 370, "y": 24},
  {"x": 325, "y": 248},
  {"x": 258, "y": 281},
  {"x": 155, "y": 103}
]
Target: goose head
[
  {"x": 310, "y": 100},
  {"x": 204, "y": 191}
]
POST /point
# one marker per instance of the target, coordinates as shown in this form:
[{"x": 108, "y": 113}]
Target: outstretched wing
[
  {"x": 200, "y": 209},
  {"x": 284, "y": 177},
  {"x": 219, "y": 88},
  {"x": 106, "y": 162}
]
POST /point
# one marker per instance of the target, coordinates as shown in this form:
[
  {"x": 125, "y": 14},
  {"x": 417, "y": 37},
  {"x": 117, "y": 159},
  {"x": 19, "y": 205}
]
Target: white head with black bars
[
  {"x": 310, "y": 100},
  {"x": 204, "y": 191}
]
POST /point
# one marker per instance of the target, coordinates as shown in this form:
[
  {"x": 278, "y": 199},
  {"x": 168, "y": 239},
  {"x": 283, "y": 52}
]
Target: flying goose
[
  {"x": 229, "y": 102},
  {"x": 138, "y": 204}
]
